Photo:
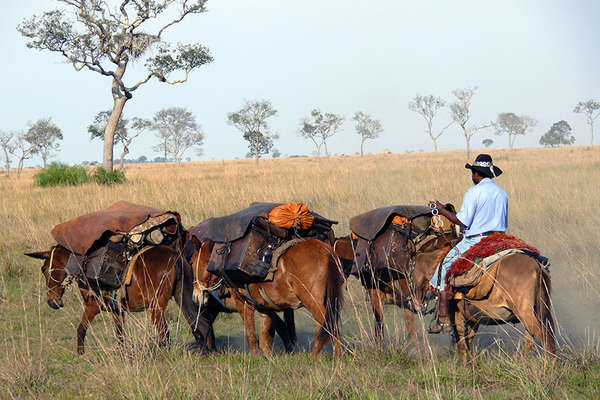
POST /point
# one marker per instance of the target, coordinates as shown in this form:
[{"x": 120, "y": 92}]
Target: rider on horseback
[{"x": 484, "y": 211}]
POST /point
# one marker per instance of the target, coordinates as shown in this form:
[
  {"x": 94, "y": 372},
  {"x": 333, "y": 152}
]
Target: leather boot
[{"x": 442, "y": 323}]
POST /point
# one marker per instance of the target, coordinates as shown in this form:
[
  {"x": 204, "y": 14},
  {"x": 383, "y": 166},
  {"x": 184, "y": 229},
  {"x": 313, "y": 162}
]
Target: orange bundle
[
  {"x": 354, "y": 236},
  {"x": 400, "y": 220},
  {"x": 291, "y": 215}
]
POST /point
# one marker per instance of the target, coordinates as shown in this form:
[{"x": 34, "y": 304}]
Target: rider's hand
[{"x": 439, "y": 205}]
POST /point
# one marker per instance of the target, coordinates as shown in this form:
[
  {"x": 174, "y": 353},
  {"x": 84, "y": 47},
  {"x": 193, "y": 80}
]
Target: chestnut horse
[
  {"x": 398, "y": 291},
  {"x": 158, "y": 274},
  {"x": 521, "y": 293},
  {"x": 308, "y": 275}
]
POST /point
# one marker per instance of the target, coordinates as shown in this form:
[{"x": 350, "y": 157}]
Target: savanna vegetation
[{"x": 553, "y": 201}]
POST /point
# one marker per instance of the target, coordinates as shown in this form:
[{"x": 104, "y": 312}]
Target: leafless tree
[
  {"x": 319, "y": 127},
  {"x": 461, "y": 114},
  {"x": 366, "y": 127},
  {"x": 251, "y": 120},
  {"x": 428, "y": 107},
  {"x": 513, "y": 125},
  {"x": 591, "y": 109},
  {"x": 45, "y": 135},
  {"x": 8, "y": 148},
  {"x": 97, "y": 36},
  {"x": 178, "y": 131}
]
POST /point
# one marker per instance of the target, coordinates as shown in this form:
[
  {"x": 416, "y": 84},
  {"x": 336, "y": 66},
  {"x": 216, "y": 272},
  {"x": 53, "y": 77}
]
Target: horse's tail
[
  {"x": 543, "y": 310},
  {"x": 334, "y": 298}
]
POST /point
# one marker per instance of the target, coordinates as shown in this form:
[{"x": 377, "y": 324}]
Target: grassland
[{"x": 553, "y": 205}]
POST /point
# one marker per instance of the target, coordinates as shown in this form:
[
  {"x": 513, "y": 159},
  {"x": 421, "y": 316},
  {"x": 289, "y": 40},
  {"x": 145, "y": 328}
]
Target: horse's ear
[
  {"x": 41, "y": 255},
  {"x": 450, "y": 207}
]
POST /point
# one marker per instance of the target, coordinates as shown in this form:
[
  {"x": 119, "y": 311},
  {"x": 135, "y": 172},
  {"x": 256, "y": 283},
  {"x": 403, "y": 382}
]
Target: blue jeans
[{"x": 452, "y": 256}]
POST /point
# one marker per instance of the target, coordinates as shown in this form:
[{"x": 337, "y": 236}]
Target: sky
[{"x": 536, "y": 57}]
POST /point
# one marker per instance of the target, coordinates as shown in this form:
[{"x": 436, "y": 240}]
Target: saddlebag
[
  {"x": 101, "y": 269},
  {"x": 382, "y": 259},
  {"x": 245, "y": 260}
]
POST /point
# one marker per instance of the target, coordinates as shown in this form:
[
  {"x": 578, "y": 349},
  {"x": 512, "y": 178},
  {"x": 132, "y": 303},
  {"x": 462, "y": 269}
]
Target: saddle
[
  {"x": 473, "y": 275},
  {"x": 383, "y": 240},
  {"x": 125, "y": 230},
  {"x": 246, "y": 241}
]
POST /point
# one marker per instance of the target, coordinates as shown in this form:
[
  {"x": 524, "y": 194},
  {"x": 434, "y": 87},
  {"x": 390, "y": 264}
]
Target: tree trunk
[
  {"x": 44, "y": 159},
  {"x": 122, "y": 159},
  {"x": 468, "y": 139},
  {"x": 362, "y": 142},
  {"x": 109, "y": 132},
  {"x": 325, "y": 148},
  {"x": 257, "y": 156},
  {"x": 20, "y": 167},
  {"x": 435, "y": 145}
]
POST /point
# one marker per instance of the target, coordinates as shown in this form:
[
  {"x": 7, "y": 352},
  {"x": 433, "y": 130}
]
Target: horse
[
  {"x": 520, "y": 294},
  {"x": 397, "y": 291},
  {"x": 158, "y": 274},
  {"x": 308, "y": 274}
]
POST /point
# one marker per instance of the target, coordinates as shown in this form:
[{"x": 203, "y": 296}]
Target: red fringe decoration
[{"x": 486, "y": 247}]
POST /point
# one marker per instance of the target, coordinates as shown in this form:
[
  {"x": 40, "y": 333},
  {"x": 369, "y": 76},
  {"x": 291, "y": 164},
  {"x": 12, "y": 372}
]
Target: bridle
[{"x": 48, "y": 268}]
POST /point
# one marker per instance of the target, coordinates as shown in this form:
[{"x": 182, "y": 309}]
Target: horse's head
[
  {"x": 200, "y": 255},
  {"x": 53, "y": 269}
]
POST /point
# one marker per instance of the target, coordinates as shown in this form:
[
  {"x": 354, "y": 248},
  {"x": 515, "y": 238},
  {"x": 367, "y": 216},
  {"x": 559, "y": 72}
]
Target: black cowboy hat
[{"x": 484, "y": 166}]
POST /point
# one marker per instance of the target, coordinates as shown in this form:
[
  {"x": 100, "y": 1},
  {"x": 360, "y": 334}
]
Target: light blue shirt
[{"x": 484, "y": 208}]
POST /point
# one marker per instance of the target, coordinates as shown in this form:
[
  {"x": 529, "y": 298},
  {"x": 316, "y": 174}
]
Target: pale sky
[{"x": 535, "y": 57}]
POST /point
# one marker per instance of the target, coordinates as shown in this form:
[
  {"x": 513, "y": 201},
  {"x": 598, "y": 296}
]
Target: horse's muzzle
[{"x": 55, "y": 305}]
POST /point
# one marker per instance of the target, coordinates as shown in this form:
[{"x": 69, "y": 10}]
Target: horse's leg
[
  {"x": 246, "y": 312},
  {"x": 119, "y": 321},
  {"x": 290, "y": 328},
  {"x": 461, "y": 331},
  {"x": 92, "y": 308},
  {"x": 267, "y": 333},
  {"x": 409, "y": 319},
  {"x": 526, "y": 343},
  {"x": 377, "y": 301}
]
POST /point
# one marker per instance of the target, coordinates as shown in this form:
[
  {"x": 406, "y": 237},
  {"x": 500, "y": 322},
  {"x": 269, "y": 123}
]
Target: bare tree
[
  {"x": 24, "y": 150},
  {"x": 122, "y": 133},
  {"x": 45, "y": 135},
  {"x": 8, "y": 148},
  {"x": 97, "y": 36},
  {"x": 319, "y": 127},
  {"x": 428, "y": 107},
  {"x": 461, "y": 114},
  {"x": 591, "y": 109},
  {"x": 513, "y": 125},
  {"x": 251, "y": 120},
  {"x": 366, "y": 127}
]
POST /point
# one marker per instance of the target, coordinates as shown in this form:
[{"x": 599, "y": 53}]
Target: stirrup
[{"x": 436, "y": 326}]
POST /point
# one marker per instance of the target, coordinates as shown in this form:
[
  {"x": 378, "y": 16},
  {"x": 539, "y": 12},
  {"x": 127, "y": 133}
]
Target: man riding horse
[{"x": 484, "y": 211}]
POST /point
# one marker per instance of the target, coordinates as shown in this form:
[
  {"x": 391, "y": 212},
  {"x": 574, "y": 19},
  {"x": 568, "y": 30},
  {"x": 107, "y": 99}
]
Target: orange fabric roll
[
  {"x": 291, "y": 215},
  {"x": 399, "y": 220}
]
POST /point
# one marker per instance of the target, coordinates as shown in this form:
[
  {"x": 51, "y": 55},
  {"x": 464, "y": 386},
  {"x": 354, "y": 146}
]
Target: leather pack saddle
[
  {"x": 382, "y": 248},
  {"x": 245, "y": 241}
]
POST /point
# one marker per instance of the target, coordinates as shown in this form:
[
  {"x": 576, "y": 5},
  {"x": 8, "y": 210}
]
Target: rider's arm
[{"x": 448, "y": 214}]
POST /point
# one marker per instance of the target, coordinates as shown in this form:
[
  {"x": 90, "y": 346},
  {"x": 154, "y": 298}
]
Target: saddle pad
[
  {"x": 371, "y": 223},
  {"x": 488, "y": 246},
  {"x": 278, "y": 253}
]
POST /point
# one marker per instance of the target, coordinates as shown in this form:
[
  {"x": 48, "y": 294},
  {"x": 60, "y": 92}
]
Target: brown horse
[
  {"x": 521, "y": 293},
  {"x": 307, "y": 275},
  {"x": 397, "y": 291},
  {"x": 158, "y": 274}
]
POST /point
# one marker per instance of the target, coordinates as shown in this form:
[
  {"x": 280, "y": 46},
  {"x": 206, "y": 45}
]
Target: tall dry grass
[{"x": 553, "y": 196}]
